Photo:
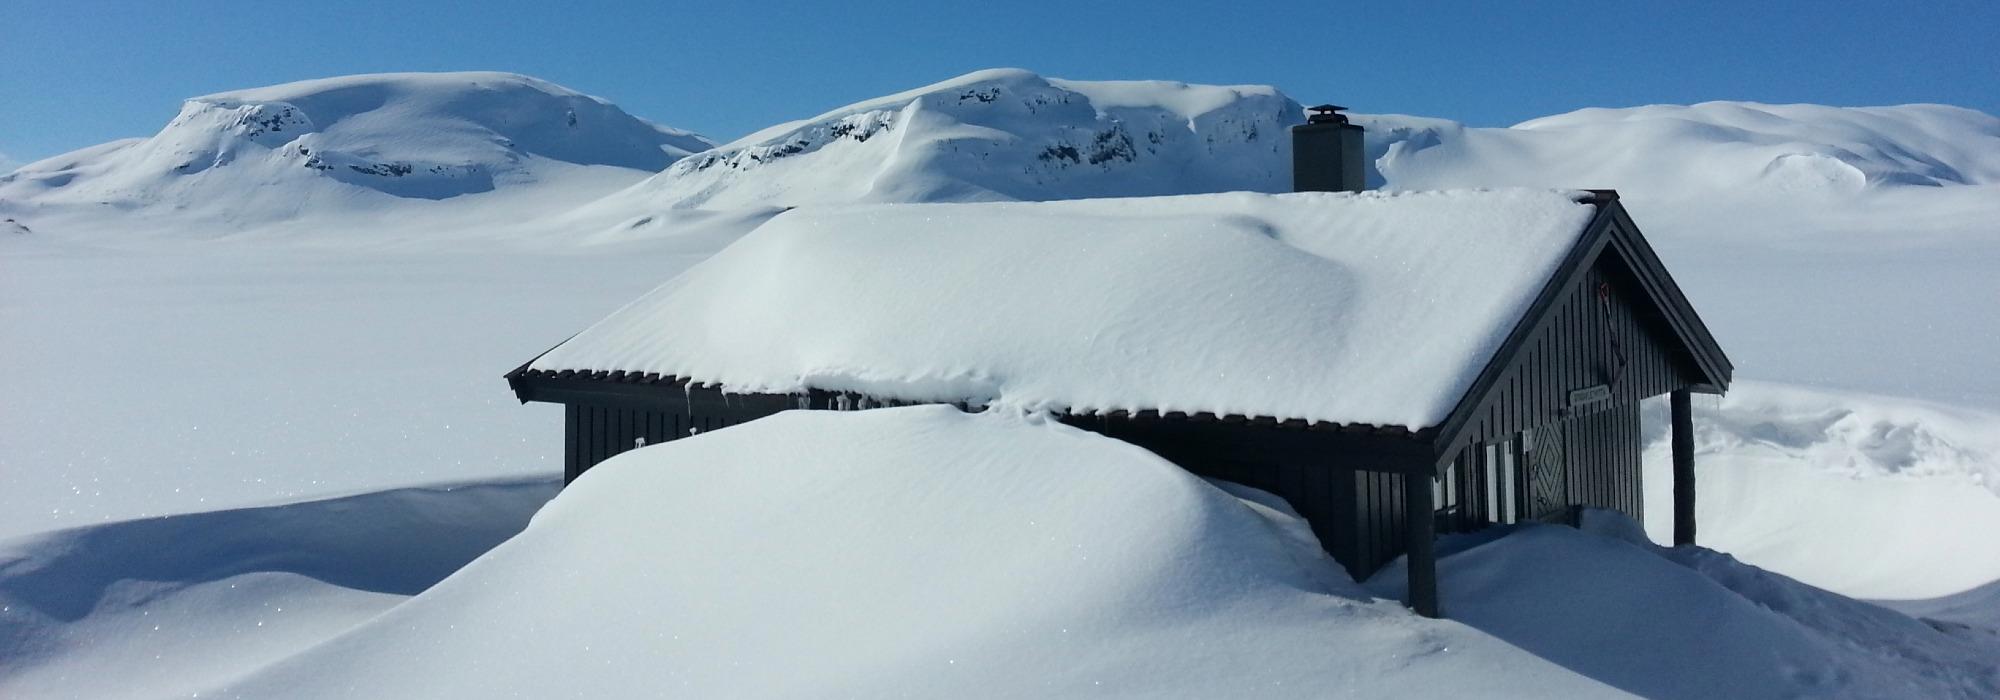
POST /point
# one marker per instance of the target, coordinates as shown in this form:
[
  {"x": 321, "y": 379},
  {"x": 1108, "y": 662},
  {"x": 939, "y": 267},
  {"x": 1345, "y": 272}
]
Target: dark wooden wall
[
  {"x": 1354, "y": 507},
  {"x": 1378, "y": 523},
  {"x": 1593, "y": 325},
  {"x": 593, "y": 434},
  {"x": 1592, "y": 459},
  {"x": 1603, "y": 451}
]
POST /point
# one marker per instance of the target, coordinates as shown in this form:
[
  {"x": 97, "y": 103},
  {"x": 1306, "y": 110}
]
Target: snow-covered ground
[
  {"x": 918, "y": 551},
  {"x": 1870, "y": 496},
  {"x": 257, "y": 334},
  {"x": 169, "y": 606}
]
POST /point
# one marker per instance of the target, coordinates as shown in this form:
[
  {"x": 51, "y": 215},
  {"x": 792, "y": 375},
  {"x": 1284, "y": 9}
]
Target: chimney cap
[{"x": 1326, "y": 114}]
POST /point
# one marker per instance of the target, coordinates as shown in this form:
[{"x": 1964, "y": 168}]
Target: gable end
[{"x": 1610, "y": 328}]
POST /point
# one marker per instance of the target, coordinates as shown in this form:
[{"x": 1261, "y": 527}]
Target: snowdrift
[
  {"x": 928, "y": 552},
  {"x": 242, "y": 158},
  {"x": 169, "y": 606},
  {"x": 915, "y": 552},
  {"x": 1689, "y": 622},
  {"x": 1874, "y": 497},
  {"x": 1003, "y": 134}
]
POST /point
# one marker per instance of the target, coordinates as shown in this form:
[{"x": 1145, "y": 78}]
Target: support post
[
  {"x": 1420, "y": 525},
  {"x": 1683, "y": 439}
]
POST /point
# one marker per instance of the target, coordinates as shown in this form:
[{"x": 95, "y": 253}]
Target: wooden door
[{"x": 1548, "y": 492}]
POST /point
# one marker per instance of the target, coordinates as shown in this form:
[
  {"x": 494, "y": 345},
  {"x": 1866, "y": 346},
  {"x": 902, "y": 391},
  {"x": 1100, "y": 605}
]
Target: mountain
[
  {"x": 1002, "y": 134},
  {"x": 1661, "y": 148},
  {"x": 351, "y": 143},
  {"x": 1754, "y": 166}
]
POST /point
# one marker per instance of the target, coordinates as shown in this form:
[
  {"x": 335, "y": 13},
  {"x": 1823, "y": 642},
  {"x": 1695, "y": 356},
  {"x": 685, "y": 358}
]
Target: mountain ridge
[{"x": 345, "y": 144}]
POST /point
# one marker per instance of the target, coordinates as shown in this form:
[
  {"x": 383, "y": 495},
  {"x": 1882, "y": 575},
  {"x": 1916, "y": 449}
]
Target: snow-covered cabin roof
[{"x": 1375, "y": 308}]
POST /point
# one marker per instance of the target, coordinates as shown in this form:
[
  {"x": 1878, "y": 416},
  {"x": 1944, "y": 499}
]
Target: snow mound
[
  {"x": 1857, "y": 435},
  {"x": 1002, "y": 134},
  {"x": 914, "y": 551},
  {"x": 1373, "y": 308},
  {"x": 274, "y": 152},
  {"x": 172, "y": 605},
  {"x": 1844, "y": 490},
  {"x": 1974, "y": 614},
  {"x": 1691, "y": 623}
]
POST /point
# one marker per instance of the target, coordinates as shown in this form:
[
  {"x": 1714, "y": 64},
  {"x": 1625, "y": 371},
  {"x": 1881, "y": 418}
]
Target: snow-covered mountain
[
  {"x": 1002, "y": 134},
  {"x": 351, "y": 143},
  {"x": 1665, "y": 149},
  {"x": 1782, "y": 173}
]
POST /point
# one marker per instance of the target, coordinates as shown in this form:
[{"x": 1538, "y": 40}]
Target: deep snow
[
  {"x": 929, "y": 552},
  {"x": 915, "y": 551},
  {"x": 170, "y": 606},
  {"x": 1372, "y": 308},
  {"x": 1689, "y": 622},
  {"x": 322, "y": 338},
  {"x": 1870, "y": 496}
]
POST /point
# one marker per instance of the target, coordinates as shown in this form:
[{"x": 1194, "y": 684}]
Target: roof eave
[
  {"x": 562, "y": 386},
  {"x": 516, "y": 378}
]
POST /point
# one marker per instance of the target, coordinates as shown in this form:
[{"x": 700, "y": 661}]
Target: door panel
[{"x": 1548, "y": 492}]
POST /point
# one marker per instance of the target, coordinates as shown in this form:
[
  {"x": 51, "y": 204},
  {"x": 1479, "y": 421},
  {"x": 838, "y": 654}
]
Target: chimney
[{"x": 1327, "y": 153}]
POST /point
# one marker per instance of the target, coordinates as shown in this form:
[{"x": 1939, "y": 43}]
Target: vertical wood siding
[
  {"x": 1579, "y": 348},
  {"x": 593, "y": 434},
  {"x": 1604, "y": 453},
  {"x": 1377, "y": 514}
]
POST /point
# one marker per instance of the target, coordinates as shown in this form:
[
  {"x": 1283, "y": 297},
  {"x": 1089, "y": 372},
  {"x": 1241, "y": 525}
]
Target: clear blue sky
[{"x": 76, "y": 72}]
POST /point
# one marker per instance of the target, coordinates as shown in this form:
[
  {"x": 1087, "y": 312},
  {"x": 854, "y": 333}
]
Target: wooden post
[
  {"x": 1420, "y": 523},
  {"x": 1683, "y": 439}
]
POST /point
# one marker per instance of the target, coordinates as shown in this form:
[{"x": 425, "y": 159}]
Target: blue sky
[{"x": 77, "y": 72}]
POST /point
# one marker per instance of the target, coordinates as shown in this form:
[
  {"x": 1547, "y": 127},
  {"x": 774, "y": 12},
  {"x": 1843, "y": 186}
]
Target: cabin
[{"x": 1392, "y": 364}]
